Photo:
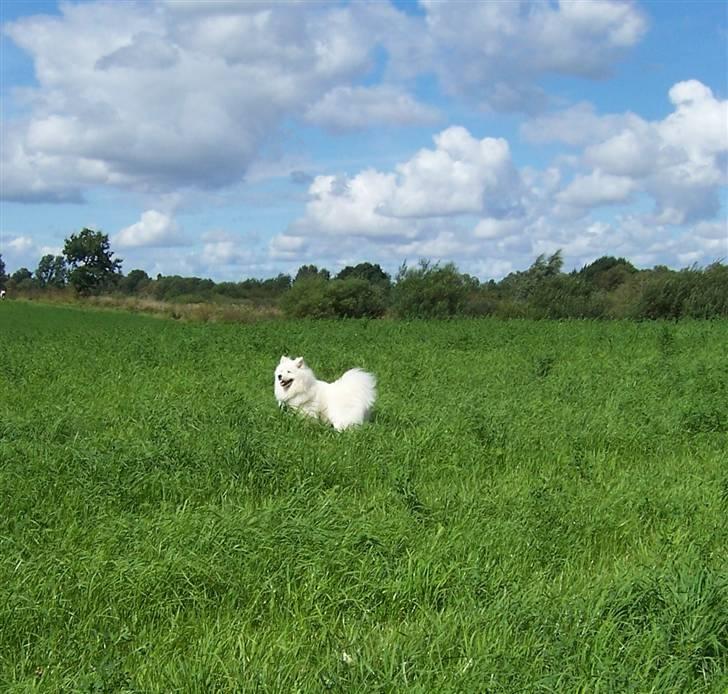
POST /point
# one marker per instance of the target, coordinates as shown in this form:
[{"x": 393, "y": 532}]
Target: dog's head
[{"x": 292, "y": 377}]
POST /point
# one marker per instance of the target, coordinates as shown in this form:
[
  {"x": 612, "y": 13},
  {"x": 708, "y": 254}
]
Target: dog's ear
[
  {"x": 283, "y": 358},
  {"x": 299, "y": 362}
]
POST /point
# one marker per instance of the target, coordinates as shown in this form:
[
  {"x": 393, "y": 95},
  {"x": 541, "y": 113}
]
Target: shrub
[
  {"x": 689, "y": 293},
  {"x": 133, "y": 283},
  {"x": 355, "y": 298},
  {"x": 566, "y": 296},
  {"x": 429, "y": 291},
  {"x": 316, "y": 297},
  {"x": 708, "y": 297},
  {"x": 308, "y": 298}
]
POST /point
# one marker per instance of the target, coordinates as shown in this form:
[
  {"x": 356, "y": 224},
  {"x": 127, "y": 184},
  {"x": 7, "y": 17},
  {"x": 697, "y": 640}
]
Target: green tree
[
  {"x": 308, "y": 298},
  {"x": 52, "y": 271},
  {"x": 607, "y": 272},
  {"x": 21, "y": 275},
  {"x": 365, "y": 271},
  {"x": 21, "y": 279},
  {"x": 134, "y": 282},
  {"x": 182, "y": 289},
  {"x": 308, "y": 271},
  {"x": 522, "y": 285},
  {"x": 355, "y": 298},
  {"x": 691, "y": 292},
  {"x": 93, "y": 268},
  {"x": 430, "y": 291},
  {"x": 3, "y": 276}
]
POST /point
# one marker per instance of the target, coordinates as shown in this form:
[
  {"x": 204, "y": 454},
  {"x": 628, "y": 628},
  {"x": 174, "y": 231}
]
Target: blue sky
[{"x": 232, "y": 140}]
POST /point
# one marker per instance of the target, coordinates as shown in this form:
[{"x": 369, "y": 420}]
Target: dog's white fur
[{"x": 345, "y": 402}]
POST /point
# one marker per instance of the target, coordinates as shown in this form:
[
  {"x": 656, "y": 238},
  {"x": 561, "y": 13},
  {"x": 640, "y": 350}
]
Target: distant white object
[
  {"x": 2, "y": 293},
  {"x": 345, "y": 402}
]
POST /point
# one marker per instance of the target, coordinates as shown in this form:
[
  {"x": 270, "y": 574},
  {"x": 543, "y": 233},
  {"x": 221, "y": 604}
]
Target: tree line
[{"x": 609, "y": 287}]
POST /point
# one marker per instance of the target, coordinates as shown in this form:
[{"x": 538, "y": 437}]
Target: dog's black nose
[{"x": 280, "y": 378}]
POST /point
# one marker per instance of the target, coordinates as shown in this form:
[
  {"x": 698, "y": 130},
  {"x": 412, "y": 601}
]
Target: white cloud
[
  {"x": 221, "y": 248},
  {"x": 632, "y": 152},
  {"x": 350, "y": 206},
  {"x": 489, "y": 228},
  {"x": 460, "y": 175},
  {"x": 184, "y": 98},
  {"x": 146, "y": 51},
  {"x": 426, "y": 206},
  {"x": 577, "y": 125},
  {"x": 596, "y": 189},
  {"x": 154, "y": 96},
  {"x": 162, "y": 95},
  {"x": 496, "y": 52},
  {"x": 713, "y": 231},
  {"x": 680, "y": 161},
  {"x": 441, "y": 247},
  {"x": 20, "y": 244},
  {"x": 463, "y": 198},
  {"x": 22, "y": 250},
  {"x": 153, "y": 229},
  {"x": 353, "y": 108},
  {"x": 287, "y": 247}
]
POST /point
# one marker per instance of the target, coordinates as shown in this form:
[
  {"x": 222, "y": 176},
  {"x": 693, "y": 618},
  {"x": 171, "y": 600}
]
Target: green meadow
[{"x": 535, "y": 507}]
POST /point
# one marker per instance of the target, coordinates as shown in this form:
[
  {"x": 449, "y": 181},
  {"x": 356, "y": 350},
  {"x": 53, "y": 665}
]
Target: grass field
[{"x": 536, "y": 507}]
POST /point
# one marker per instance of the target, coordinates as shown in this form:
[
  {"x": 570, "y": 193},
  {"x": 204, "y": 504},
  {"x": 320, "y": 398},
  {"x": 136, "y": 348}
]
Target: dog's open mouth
[{"x": 286, "y": 384}]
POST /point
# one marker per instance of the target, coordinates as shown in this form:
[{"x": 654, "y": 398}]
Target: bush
[
  {"x": 566, "y": 296},
  {"x": 173, "y": 287},
  {"x": 135, "y": 282},
  {"x": 316, "y": 297},
  {"x": 355, "y": 298},
  {"x": 662, "y": 296},
  {"x": 308, "y": 298},
  {"x": 607, "y": 273},
  {"x": 708, "y": 297},
  {"x": 429, "y": 291}
]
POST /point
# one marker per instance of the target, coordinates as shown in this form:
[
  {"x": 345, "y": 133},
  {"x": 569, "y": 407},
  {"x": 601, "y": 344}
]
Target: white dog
[{"x": 343, "y": 403}]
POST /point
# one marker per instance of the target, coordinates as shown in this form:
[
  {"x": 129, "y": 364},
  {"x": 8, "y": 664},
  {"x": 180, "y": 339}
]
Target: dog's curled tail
[{"x": 363, "y": 383}]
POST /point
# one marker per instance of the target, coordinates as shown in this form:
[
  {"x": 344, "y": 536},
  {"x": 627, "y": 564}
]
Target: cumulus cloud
[
  {"x": 187, "y": 97},
  {"x": 354, "y": 108},
  {"x": 596, "y": 189},
  {"x": 424, "y": 206},
  {"x": 22, "y": 250},
  {"x": 287, "y": 247},
  {"x": 221, "y": 248},
  {"x": 153, "y": 229},
  {"x": 679, "y": 161},
  {"x": 464, "y": 199},
  {"x": 632, "y": 152},
  {"x": 497, "y": 52},
  {"x": 460, "y": 175},
  {"x": 161, "y": 95},
  {"x": 490, "y": 228},
  {"x": 146, "y": 51},
  {"x": 155, "y": 96},
  {"x": 20, "y": 244},
  {"x": 342, "y": 205},
  {"x": 577, "y": 125}
]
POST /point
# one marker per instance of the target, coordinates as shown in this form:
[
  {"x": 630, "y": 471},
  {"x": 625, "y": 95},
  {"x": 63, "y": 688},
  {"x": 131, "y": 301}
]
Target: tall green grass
[{"x": 536, "y": 507}]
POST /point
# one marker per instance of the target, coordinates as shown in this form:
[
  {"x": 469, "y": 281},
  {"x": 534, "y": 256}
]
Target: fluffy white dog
[{"x": 345, "y": 402}]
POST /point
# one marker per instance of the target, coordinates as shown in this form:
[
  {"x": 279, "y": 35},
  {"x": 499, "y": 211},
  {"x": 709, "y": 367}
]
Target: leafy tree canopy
[
  {"x": 308, "y": 271},
  {"x": 134, "y": 281},
  {"x": 365, "y": 271},
  {"x": 52, "y": 271},
  {"x": 21, "y": 274},
  {"x": 90, "y": 258}
]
